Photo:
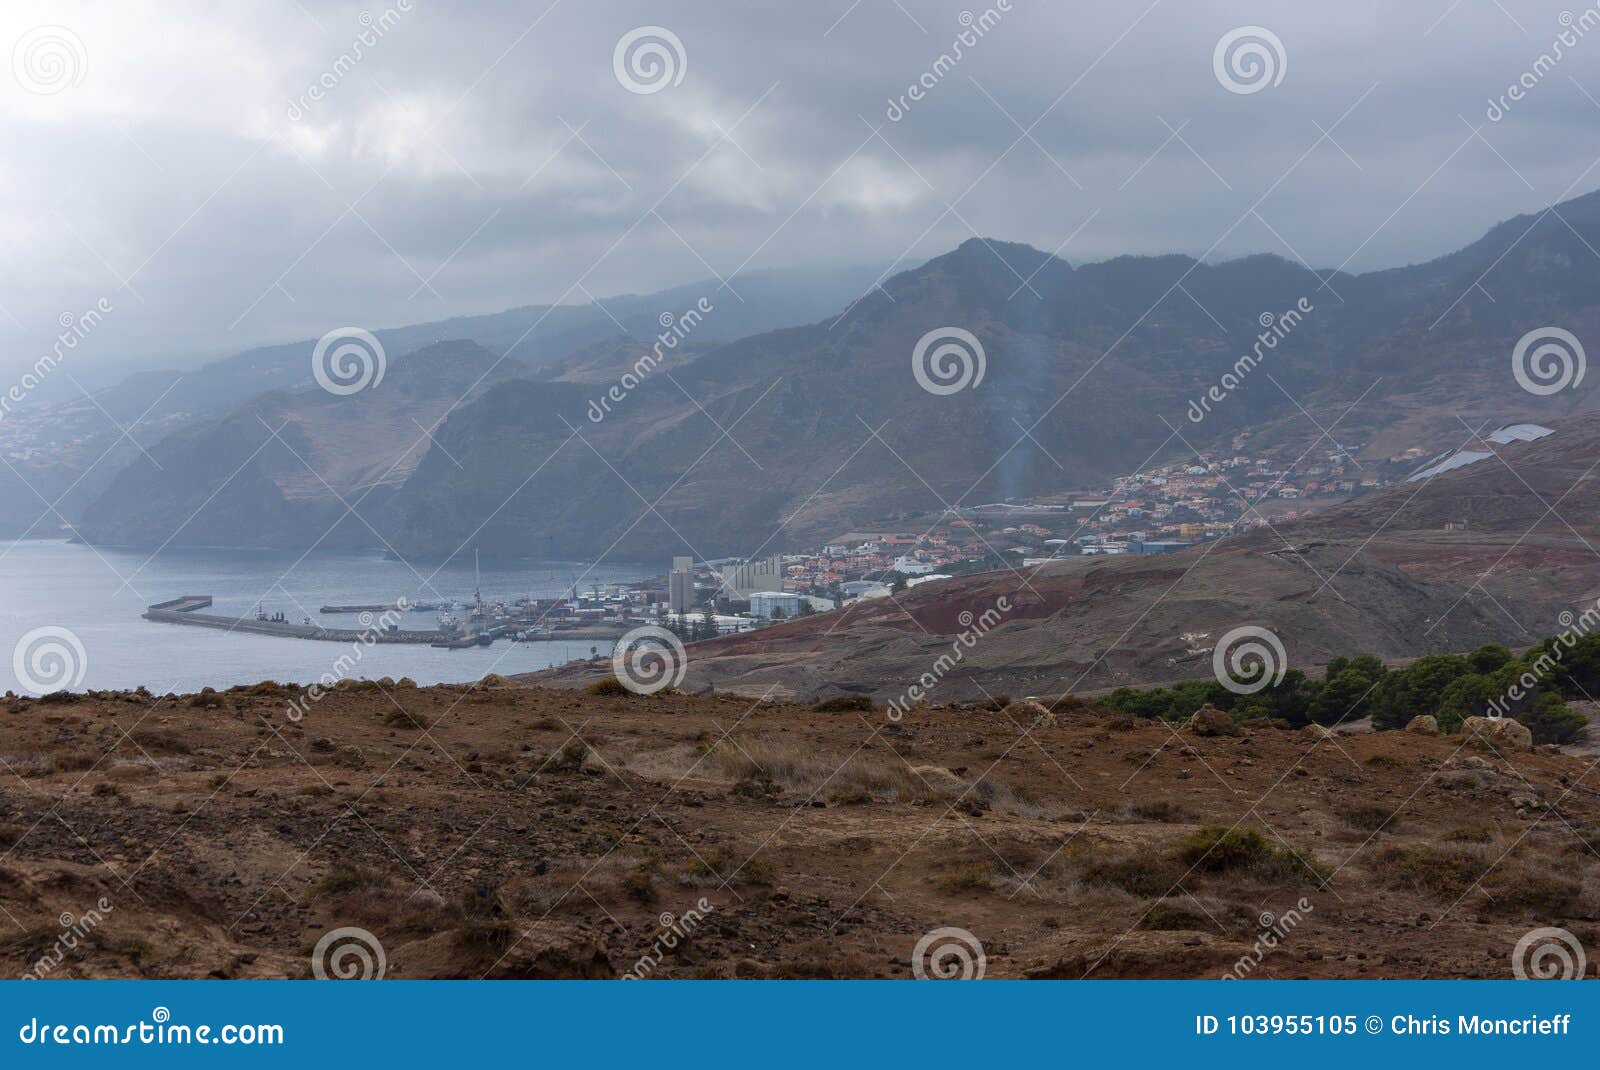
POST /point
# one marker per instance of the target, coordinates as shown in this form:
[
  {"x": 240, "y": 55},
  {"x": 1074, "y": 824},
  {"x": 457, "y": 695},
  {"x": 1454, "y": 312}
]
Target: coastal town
[{"x": 1162, "y": 509}]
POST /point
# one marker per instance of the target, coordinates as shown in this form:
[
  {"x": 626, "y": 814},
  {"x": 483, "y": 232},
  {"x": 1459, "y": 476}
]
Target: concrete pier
[{"x": 186, "y": 610}]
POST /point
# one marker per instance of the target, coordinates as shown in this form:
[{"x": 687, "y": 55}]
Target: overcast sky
[{"x": 168, "y": 158}]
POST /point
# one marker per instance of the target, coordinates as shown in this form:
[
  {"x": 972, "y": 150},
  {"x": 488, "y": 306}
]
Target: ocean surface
[{"x": 97, "y": 596}]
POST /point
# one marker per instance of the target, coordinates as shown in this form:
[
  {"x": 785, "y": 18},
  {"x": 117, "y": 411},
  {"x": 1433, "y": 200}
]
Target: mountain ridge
[{"x": 785, "y": 437}]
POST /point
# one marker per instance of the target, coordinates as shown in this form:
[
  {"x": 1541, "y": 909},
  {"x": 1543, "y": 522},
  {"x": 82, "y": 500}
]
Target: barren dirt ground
[{"x": 503, "y": 831}]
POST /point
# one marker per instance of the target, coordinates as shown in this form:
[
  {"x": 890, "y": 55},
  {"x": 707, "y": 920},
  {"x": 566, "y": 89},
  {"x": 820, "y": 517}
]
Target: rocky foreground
[{"x": 501, "y": 831}]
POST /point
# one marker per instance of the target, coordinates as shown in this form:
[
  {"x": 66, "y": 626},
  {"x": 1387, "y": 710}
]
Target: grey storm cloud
[{"x": 252, "y": 172}]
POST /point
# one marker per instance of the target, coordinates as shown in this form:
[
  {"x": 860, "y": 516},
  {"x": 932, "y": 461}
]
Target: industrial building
[
  {"x": 741, "y": 579},
  {"x": 680, "y": 585},
  {"x": 771, "y": 605}
]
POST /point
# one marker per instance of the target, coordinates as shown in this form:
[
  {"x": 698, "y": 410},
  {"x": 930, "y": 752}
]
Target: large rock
[
  {"x": 1027, "y": 713},
  {"x": 1210, "y": 721},
  {"x": 1500, "y": 733},
  {"x": 1423, "y": 724}
]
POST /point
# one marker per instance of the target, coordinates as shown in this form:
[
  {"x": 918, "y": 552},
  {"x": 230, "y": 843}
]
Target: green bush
[
  {"x": 1488, "y": 658},
  {"x": 844, "y": 704},
  {"x": 1216, "y": 848},
  {"x": 1345, "y": 697},
  {"x": 1405, "y": 693},
  {"x": 1467, "y": 696},
  {"x": 1452, "y": 687},
  {"x": 1551, "y": 720}
]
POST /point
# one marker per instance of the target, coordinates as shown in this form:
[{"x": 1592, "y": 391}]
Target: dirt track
[{"x": 531, "y": 833}]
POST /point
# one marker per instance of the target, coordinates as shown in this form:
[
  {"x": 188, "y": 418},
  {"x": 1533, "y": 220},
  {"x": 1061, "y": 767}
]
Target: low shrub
[
  {"x": 407, "y": 720},
  {"x": 1217, "y": 849},
  {"x": 1369, "y": 817},
  {"x": 844, "y": 704}
]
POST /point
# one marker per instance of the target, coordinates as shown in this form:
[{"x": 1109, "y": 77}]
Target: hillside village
[{"x": 1162, "y": 509}]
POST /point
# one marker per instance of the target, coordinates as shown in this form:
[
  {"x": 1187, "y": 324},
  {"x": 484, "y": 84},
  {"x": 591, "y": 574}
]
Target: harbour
[
  {"x": 186, "y": 609},
  {"x": 102, "y": 596},
  {"x": 527, "y": 627}
]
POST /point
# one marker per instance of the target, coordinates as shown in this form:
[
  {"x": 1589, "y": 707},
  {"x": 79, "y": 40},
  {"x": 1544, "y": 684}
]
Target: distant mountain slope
[
  {"x": 84, "y": 447},
  {"x": 830, "y": 417},
  {"x": 786, "y": 437},
  {"x": 1441, "y": 336},
  {"x": 278, "y": 471},
  {"x": 1089, "y": 373},
  {"x": 534, "y": 336}
]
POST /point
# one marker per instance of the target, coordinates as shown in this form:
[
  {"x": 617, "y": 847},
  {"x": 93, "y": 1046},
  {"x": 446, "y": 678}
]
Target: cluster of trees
[
  {"x": 695, "y": 629},
  {"x": 1532, "y": 688}
]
